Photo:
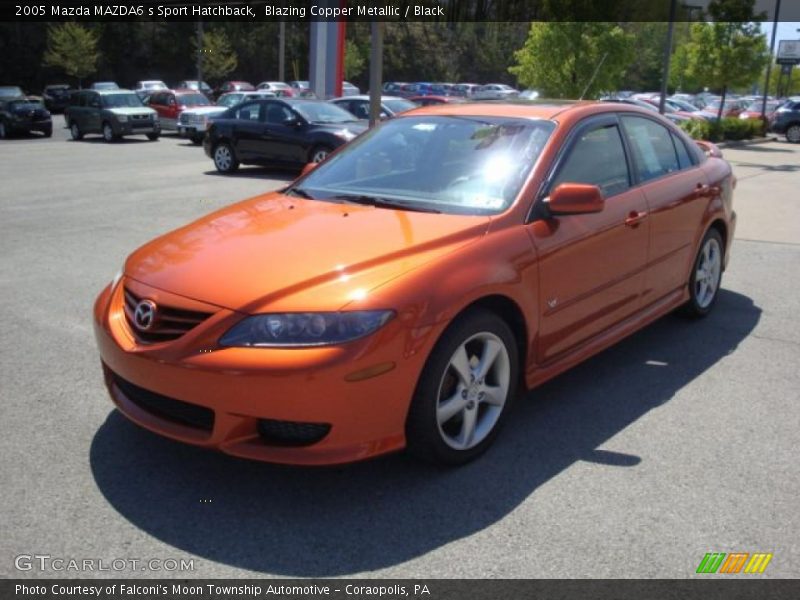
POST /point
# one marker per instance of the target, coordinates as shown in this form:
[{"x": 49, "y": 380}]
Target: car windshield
[
  {"x": 322, "y": 112},
  {"x": 105, "y": 86},
  {"x": 155, "y": 85},
  {"x": 398, "y": 105},
  {"x": 126, "y": 100},
  {"x": 10, "y": 92},
  {"x": 25, "y": 104},
  {"x": 230, "y": 99},
  {"x": 467, "y": 165},
  {"x": 193, "y": 100}
]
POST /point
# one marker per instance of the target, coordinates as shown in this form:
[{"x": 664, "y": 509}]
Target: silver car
[{"x": 495, "y": 91}]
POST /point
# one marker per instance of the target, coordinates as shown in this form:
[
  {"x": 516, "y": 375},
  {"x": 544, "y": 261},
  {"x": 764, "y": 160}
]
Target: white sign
[{"x": 789, "y": 49}]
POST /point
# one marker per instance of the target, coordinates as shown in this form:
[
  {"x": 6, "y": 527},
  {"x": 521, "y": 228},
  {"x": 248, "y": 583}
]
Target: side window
[
  {"x": 277, "y": 114},
  {"x": 248, "y": 112},
  {"x": 652, "y": 147},
  {"x": 597, "y": 158},
  {"x": 684, "y": 159},
  {"x": 360, "y": 109},
  {"x": 93, "y": 100}
]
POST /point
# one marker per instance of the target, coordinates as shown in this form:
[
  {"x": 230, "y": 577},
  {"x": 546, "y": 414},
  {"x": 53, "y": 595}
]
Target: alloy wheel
[
  {"x": 707, "y": 275},
  {"x": 223, "y": 159},
  {"x": 793, "y": 134},
  {"x": 473, "y": 390}
]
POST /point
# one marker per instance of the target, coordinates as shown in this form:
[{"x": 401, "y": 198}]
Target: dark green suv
[{"x": 111, "y": 113}]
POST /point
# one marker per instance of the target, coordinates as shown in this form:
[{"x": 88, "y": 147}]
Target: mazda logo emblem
[{"x": 144, "y": 317}]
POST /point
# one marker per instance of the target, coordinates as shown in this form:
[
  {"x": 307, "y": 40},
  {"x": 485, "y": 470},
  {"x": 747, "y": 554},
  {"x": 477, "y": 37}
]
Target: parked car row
[{"x": 489, "y": 91}]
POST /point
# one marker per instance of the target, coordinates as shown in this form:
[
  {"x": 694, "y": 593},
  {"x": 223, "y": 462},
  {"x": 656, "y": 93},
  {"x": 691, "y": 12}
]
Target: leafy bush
[{"x": 727, "y": 129}]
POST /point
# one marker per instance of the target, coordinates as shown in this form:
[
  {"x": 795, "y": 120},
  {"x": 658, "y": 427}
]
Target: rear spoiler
[{"x": 711, "y": 150}]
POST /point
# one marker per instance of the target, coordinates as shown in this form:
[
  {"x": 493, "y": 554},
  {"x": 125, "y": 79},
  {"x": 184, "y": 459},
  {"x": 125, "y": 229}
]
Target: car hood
[
  {"x": 132, "y": 110},
  {"x": 282, "y": 253},
  {"x": 204, "y": 110}
]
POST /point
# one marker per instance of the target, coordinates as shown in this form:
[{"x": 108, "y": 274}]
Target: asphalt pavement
[{"x": 679, "y": 441}]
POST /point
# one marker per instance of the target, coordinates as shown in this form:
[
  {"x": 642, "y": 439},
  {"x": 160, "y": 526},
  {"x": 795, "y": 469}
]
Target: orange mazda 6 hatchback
[{"x": 401, "y": 293}]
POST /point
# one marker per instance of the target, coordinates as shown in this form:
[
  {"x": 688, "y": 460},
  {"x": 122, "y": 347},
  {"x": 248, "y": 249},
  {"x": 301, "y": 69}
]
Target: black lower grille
[
  {"x": 167, "y": 408},
  {"x": 291, "y": 433}
]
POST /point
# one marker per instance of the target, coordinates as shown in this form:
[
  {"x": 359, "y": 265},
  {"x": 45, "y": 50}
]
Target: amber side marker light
[{"x": 369, "y": 372}]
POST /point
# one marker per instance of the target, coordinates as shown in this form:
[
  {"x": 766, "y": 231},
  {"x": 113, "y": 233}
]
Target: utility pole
[
  {"x": 667, "y": 55},
  {"x": 771, "y": 54},
  {"x": 281, "y": 49},
  {"x": 375, "y": 72},
  {"x": 199, "y": 57}
]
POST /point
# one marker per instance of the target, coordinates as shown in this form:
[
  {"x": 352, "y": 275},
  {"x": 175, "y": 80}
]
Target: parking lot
[{"x": 679, "y": 441}]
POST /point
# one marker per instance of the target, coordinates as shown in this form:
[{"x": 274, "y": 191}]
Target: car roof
[
  {"x": 366, "y": 97},
  {"x": 567, "y": 110},
  {"x": 111, "y": 92}
]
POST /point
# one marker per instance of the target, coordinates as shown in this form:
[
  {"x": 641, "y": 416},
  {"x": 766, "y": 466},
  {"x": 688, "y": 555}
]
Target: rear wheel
[
  {"x": 224, "y": 158},
  {"x": 465, "y": 390},
  {"x": 197, "y": 139},
  {"x": 706, "y": 276},
  {"x": 793, "y": 134},
  {"x": 75, "y": 131}
]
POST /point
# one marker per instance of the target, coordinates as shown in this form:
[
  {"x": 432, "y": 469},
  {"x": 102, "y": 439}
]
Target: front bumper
[
  {"x": 30, "y": 124},
  {"x": 133, "y": 128},
  {"x": 240, "y": 386},
  {"x": 189, "y": 131}
]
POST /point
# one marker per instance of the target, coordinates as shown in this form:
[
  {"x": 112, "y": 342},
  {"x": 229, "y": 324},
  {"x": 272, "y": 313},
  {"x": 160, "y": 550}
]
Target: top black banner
[{"x": 379, "y": 10}]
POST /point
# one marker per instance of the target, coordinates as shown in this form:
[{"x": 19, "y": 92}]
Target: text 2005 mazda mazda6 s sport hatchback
[{"x": 401, "y": 293}]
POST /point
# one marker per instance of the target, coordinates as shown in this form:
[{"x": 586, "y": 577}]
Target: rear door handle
[{"x": 634, "y": 218}]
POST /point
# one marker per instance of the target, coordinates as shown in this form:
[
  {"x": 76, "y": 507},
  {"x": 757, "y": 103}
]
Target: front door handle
[{"x": 634, "y": 218}]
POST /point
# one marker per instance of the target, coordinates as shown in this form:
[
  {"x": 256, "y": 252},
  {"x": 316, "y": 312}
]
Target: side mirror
[
  {"x": 308, "y": 168},
  {"x": 575, "y": 199},
  {"x": 292, "y": 122}
]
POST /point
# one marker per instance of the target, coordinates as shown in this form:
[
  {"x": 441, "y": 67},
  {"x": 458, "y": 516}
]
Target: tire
[
  {"x": 108, "y": 133},
  {"x": 459, "y": 406},
  {"x": 75, "y": 131},
  {"x": 3, "y": 131},
  {"x": 706, "y": 276},
  {"x": 225, "y": 159},
  {"x": 319, "y": 153},
  {"x": 197, "y": 139},
  {"x": 793, "y": 134},
  {"x": 48, "y": 132},
  {"x": 153, "y": 136}
]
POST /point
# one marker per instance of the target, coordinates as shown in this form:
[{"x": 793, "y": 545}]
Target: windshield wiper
[
  {"x": 296, "y": 191},
  {"x": 384, "y": 202}
]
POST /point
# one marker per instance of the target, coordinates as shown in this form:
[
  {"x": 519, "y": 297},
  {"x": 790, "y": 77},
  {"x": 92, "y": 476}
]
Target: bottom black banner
[{"x": 400, "y": 589}]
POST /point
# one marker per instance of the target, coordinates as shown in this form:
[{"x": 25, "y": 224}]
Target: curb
[{"x": 741, "y": 143}]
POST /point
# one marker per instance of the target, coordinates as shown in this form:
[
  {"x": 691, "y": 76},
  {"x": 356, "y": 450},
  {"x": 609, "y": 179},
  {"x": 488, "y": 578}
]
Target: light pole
[{"x": 667, "y": 54}]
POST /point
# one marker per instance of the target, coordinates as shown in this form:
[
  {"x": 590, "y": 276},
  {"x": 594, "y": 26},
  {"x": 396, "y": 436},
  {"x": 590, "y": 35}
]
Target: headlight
[
  {"x": 116, "y": 279},
  {"x": 122, "y": 118},
  {"x": 305, "y": 329},
  {"x": 345, "y": 134}
]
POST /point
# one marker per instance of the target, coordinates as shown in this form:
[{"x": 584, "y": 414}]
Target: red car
[
  {"x": 429, "y": 100},
  {"x": 234, "y": 86},
  {"x": 753, "y": 111},
  {"x": 169, "y": 104}
]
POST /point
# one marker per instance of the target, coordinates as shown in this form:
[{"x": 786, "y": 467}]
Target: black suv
[
  {"x": 56, "y": 97},
  {"x": 786, "y": 120}
]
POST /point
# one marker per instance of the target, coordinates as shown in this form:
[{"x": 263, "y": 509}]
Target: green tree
[
  {"x": 729, "y": 52},
  {"x": 560, "y": 59},
  {"x": 219, "y": 57},
  {"x": 353, "y": 59},
  {"x": 72, "y": 48}
]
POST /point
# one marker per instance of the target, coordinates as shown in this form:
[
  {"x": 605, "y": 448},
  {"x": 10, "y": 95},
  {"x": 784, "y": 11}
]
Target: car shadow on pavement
[
  {"x": 343, "y": 520},
  {"x": 260, "y": 173}
]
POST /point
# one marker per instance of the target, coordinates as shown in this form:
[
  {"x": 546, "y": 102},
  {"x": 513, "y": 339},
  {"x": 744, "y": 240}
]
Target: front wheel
[
  {"x": 197, "y": 139},
  {"x": 108, "y": 133},
  {"x": 224, "y": 158},
  {"x": 319, "y": 153},
  {"x": 75, "y": 131},
  {"x": 48, "y": 132},
  {"x": 3, "y": 131},
  {"x": 706, "y": 276},
  {"x": 152, "y": 136},
  {"x": 793, "y": 134},
  {"x": 465, "y": 390}
]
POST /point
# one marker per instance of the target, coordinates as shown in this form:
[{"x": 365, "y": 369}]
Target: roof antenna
[{"x": 596, "y": 69}]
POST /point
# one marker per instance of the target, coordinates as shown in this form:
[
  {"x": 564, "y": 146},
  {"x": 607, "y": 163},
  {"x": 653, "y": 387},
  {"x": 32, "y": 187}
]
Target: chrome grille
[{"x": 170, "y": 323}]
